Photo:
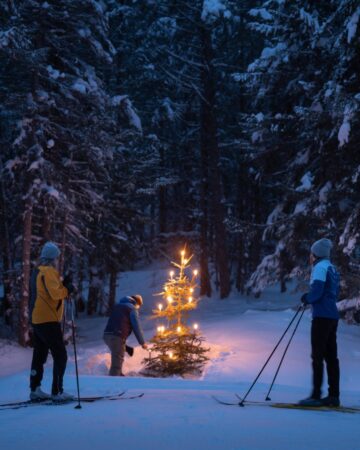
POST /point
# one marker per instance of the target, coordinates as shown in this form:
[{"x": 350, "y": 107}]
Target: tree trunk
[
  {"x": 205, "y": 282},
  {"x": 285, "y": 267},
  {"x": 254, "y": 208},
  {"x": 242, "y": 208},
  {"x": 26, "y": 268},
  {"x": 63, "y": 245},
  {"x": 240, "y": 278},
  {"x": 46, "y": 223},
  {"x": 7, "y": 259},
  {"x": 112, "y": 291},
  {"x": 93, "y": 295},
  {"x": 80, "y": 304},
  {"x": 162, "y": 209},
  {"x": 210, "y": 147}
]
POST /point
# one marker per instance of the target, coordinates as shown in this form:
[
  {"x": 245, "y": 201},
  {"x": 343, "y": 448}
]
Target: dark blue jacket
[
  {"x": 324, "y": 290},
  {"x": 124, "y": 320}
]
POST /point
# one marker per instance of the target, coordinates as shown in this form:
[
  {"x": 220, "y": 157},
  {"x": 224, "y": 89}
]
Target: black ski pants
[
  {"x": 324, "y": 348},
  {"x": 48, "y": 336}
]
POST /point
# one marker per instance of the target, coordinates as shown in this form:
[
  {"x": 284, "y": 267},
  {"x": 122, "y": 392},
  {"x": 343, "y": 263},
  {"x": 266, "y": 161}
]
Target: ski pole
[
  {"x": 78, "y": 406},
  {"x": 283, "y": 356},
  {"x": 241, "y": 403}
]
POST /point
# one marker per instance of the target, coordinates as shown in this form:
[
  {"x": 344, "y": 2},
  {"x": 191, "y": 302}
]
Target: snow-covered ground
[{"x": 180, "y": 414}]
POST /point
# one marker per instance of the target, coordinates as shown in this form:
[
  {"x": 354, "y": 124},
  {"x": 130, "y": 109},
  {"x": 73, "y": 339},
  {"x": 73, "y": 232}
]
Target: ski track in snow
[{"x": 179, "y": 413}]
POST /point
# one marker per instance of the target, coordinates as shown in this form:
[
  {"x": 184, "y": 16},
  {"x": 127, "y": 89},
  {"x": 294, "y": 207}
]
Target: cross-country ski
[
  {"x": 296, "y": 406},
  {"x": 49, "y": 402}
]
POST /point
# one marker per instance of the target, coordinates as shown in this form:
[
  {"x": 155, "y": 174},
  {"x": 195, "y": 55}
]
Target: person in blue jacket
[
  {"x": 124, "y": 320},
  {"x": 323, "y": 295}
]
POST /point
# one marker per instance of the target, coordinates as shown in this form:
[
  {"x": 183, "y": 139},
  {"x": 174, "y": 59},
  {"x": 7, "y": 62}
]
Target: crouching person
[{"x": 123, "y": 320}]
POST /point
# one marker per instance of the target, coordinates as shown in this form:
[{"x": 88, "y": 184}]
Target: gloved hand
[
  {"x": 303, "y": 299},
  {"x": 68, "y": 283},
  {"x": 129, "y": 350},
  {"x": 68, "y": 278}
]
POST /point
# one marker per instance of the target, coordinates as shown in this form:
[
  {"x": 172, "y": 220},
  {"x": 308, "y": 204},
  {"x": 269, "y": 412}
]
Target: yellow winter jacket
[{"x": 50, "y": 293}]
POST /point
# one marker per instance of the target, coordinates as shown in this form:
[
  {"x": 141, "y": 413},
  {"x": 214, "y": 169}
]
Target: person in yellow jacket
[{"x": 46, "y": 309}]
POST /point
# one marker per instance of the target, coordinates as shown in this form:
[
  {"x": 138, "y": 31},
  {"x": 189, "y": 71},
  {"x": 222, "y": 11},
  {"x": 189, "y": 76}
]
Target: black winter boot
[
  {"x": 311, "y": 401},
  {"x": 332, "y": 402}
]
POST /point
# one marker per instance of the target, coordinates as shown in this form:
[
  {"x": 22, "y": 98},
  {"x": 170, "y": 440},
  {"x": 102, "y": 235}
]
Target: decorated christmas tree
[{"x": 177, "y": 345}]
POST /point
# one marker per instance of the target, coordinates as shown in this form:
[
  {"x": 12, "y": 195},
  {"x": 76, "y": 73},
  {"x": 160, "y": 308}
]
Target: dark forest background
[{"x": 131, "y": 128}]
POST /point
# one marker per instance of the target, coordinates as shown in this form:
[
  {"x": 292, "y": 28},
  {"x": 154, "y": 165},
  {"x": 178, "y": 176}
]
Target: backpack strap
[{"x": 46, "y": 289}]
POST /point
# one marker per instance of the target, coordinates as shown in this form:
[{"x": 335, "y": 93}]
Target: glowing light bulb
[
  {"x": 190, "y": 299},
  {"x": 195, "y": 273},
  {"x": 170, "y": 299},
  {"x": 159, "y": 329},
  {"x": 171, "y": 273},
  {"x": 160, "y": 306},
  {"x": 171, "y": 355},
  {"x": 191, "y": 290},
  {"x": 162, "y": 329},
  {"x": 178, "y": 329},
  {"x": 182, "y": 252},
  {"x": 196, "y": 326}
]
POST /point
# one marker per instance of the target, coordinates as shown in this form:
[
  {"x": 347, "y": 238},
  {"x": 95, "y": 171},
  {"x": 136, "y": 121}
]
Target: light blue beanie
[
  {"x": 322, "y": 248},
  {"x": 50, "y": 251}
]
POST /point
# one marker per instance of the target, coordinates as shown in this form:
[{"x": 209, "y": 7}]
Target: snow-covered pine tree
[
  {"x": 68, "y": 125},
  {"x": 305, "y": 86}
]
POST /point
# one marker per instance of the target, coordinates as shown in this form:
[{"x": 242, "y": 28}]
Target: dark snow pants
[
  {"x": 324, "y": 348},
  {"x": 117, "y": 346},
  {"x": 48, "y": 336}
]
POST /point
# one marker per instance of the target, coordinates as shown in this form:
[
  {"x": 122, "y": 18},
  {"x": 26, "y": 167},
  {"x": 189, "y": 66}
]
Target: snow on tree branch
[
  {"x": 213, "y": 9},
  {"x": 125, "y": 104},
  {"x": 352, "y": 25}
]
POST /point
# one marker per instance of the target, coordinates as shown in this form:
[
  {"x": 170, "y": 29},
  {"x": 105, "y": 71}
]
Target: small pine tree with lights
[{"x": 177, "y": 347}]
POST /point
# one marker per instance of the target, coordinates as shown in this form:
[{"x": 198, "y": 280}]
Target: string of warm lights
[
  {"x": 177, "y": 345},
  {"x": 174, "y": 291}
]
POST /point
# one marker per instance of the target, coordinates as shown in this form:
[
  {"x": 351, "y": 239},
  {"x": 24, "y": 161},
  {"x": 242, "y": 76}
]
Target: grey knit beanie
[{"x": 322, "y": 248}]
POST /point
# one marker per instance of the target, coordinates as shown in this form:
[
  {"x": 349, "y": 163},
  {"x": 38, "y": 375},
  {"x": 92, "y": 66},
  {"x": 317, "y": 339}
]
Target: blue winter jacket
[
  {"x": 124, "y": 320},
  {"x": 324, "y": 290}
]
